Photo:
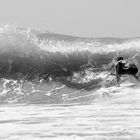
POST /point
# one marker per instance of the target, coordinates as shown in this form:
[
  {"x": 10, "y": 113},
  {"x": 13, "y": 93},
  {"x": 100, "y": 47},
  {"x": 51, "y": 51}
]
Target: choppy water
[
  {"x": 112, "y": 118},
  {"x": 59, "y": 87}
]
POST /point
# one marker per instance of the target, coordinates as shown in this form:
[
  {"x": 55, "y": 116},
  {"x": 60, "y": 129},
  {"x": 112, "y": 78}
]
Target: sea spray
[{"x": 44, "y": 67}]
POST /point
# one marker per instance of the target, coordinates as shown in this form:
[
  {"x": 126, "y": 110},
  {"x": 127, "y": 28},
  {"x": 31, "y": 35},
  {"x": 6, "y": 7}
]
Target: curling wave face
[{"x": 40, "y": 66}]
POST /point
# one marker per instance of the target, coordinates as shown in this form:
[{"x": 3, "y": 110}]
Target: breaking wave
[{"x": 44, "y": 67}]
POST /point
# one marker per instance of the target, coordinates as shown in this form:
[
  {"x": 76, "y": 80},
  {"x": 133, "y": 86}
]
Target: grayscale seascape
[
  {"x": 69, "y": 70},
  {"x": 46, "y": 101}
]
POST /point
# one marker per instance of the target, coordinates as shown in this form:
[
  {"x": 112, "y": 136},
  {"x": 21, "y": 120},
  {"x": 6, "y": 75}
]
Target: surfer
[{"x": 123, "y": 67}]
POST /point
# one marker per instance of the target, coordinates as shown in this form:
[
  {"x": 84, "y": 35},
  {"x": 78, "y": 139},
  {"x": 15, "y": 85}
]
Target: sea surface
[
  {"x": 111, "y": 118},
  {"x": 59, "y": 87}
]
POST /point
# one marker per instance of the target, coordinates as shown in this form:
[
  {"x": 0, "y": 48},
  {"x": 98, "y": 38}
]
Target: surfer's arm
[{"x": 126, "y": 65}]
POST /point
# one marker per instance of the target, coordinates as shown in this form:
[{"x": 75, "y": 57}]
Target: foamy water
[
  {"x": 58, "y": 87},
  {"x": 114, "y": 117}
]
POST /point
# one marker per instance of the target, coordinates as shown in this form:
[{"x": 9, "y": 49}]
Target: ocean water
[
  {"x": 116, "y": 117},
  {"x": 62, "y": 87}
]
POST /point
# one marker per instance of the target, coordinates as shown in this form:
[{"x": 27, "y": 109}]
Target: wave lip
[
  {"x": 37, "y": 53},
  {"x": 72, "y": 64}
]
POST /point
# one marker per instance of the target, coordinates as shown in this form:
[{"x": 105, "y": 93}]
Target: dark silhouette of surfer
[{"x": 123, "y": 68}]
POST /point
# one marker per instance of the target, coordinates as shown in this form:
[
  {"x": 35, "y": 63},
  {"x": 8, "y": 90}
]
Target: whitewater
[{"x": 55, "y": 86}]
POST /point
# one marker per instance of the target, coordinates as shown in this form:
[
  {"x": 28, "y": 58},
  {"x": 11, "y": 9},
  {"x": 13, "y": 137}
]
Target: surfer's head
[{"x": 119, "y": 58}]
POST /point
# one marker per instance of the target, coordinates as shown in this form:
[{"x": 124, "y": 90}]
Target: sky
[{"x": 85, "y": 18}]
